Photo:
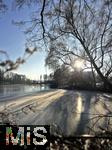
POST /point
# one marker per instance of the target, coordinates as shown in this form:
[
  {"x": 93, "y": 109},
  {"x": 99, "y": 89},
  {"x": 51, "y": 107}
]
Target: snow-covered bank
[{"x": 71, "y": 111}]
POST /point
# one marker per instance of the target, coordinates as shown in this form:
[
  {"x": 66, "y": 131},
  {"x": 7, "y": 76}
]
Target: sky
[{"x": 12, "y": 40}]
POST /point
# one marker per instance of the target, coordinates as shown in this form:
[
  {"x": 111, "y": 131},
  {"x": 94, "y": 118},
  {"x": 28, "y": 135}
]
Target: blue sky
[{"x": 12, "y": 40}]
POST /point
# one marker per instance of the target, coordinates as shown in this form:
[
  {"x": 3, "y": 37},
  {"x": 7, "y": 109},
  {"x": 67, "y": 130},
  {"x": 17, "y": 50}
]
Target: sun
[{"x": 79, "y": 63}]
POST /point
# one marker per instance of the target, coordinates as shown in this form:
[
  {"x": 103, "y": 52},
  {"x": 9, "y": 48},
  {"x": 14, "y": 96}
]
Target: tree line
[
  {"x": 64, "y": 77},
  {"x": 13, "y": 78}
]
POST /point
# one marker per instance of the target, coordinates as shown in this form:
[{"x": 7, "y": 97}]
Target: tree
[
  {"x": 62, "y": 76},
  {"x": 1, "y": 76},
  {"x": 71, "y": 29},
  {"x": 8, "y": 64},
  {"x": 45, "y": 77},
  {"x": 82, "y": 29}
]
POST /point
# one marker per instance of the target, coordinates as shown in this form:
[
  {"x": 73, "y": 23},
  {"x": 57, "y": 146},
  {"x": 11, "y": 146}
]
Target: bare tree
[
  {"x": 83, "y": 29},
  {"x": 73, "y": 29},
  {"x": 8, "y": 64}
]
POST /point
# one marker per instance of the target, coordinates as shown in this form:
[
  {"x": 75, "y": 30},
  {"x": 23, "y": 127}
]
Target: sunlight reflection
[
  {"x": 74, "y": 118},
  {"x": 79, "y": 104}
]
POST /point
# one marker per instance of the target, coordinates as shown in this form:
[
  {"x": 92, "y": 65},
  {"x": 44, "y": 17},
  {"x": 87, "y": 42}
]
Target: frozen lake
[
  {"x": 68, "y": 112},
  {"x": 14, "y": 90}
]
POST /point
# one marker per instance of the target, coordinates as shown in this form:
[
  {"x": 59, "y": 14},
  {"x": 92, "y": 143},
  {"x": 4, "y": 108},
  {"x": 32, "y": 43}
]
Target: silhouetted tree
[{"x": 71, "y": 29}]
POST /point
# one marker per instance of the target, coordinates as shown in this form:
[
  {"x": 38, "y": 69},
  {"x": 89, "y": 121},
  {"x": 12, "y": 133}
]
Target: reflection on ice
[
  {"x": 20, "y": 90},
  {"x": 75, "y": 116},
  {"x": 79, "y": 104}
]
